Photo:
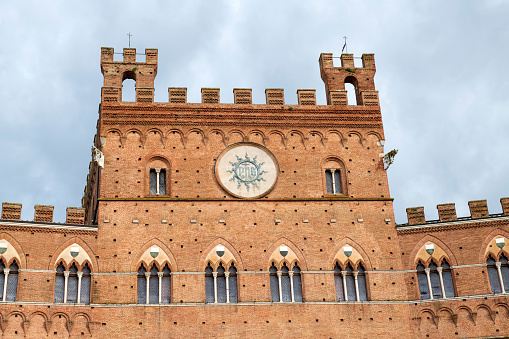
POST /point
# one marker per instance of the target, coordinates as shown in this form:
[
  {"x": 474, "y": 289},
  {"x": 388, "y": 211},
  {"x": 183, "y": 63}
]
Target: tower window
[
  {"x": 157, "y": 181},
  {"x": 333, "y": 181}
]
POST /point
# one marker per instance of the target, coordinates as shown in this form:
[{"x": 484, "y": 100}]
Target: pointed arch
[
  {"x": 210, "y": 256},
  {"x": 57, "y": 254},
  {"x": 273, "y": 255},
  {"x": 485, "y": 249},
  {"x": 419, "y": 246},
  {"x": 14, "y": 250},
  {"x": 143, "y": 255},
  {"x": 337, "y": 254}
]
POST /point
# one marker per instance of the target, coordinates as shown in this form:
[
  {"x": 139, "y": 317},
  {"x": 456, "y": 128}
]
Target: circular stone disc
[{"x": 247, "y": 170}]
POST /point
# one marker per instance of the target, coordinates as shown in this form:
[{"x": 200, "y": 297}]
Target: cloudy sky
[{"x": 442, "y": 75}]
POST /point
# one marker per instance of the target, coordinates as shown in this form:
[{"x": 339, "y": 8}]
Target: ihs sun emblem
[{"x": 247, "y": 171}]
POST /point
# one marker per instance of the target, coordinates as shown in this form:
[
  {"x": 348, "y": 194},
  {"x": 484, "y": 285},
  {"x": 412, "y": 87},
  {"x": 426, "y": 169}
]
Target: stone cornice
[
  {"x": 453, "y": 225},
  {"x": 31, "y": 226}
]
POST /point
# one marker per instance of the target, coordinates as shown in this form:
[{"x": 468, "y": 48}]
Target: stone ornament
[{"x": 247, "y": 170}]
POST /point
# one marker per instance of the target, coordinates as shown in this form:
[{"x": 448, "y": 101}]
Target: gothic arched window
[
  {"x": 221, "y": 285},
  {"x": 8, "y": 281},
  {"x": 498, "y": 272},
  {"x": 350, "y": 284},
  {"x": 154, "y": 286},
  {"x": 435, "y": 279},
  {"x": 72, "y": 286},
  {"x": 335, "y": 180},
  {"x": 285, "y": 285}
]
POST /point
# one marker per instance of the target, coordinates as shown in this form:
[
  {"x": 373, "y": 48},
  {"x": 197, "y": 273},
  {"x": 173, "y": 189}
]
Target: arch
[
  {"x": 336, "y": 133},
  {"x": 219, "y": 132},
  {"x": 53, "y": 263},
  {"x": 256, "y": 135},
  {"x": 22, "y": 323},
  {"x": 350, "y": 79},
  {"x": 232, "y": 139},
  {"x": 376, "y": 134},
  {"x": 157, "y": 157},
  {"x": 413, "y": 257},
  {"x": 337, "y": 249},
  {"x": 30, "y": 323},
  {"x": 359, "y": 135},
  {"x": 14, "y": 251},
  {"x": 487, "y": 309},
  {"x": 196, "y": 131},
  {"x": 155, "y": 131},
  {"x": 280, "y": 135},
  {"x": 115, "y": 131},
  {"x": 180, "y": 133},
  {"x": 135, "y": 131},
  {"x": 293, "y": 133},
  {"x": 128, "y": 75},
  {"x": 485, "y": 249},
  {"x": 209, "y": 255},
  {"x": 433, "y": 317},
  {"x": 273, "y": 255},
  {"x": 142, "y": 255},
  {"x": 447, "y": 310},
  {"x": 53, "y": 323},
  {"x": 312, "y": 135}
]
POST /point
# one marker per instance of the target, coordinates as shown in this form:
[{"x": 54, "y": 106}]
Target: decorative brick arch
[
  {"x": 484, "y": 250},
  {"x": 342, "y": 139},
  {"x": 338, "y": 247},
  {"x": 17, "y": 247},
  {"x": 271, "y": 257},
  {"x": 206, "y": 257},
  {"x": 52, "y": 264},
  {"x": 180, "y": 133},
  {"x": 156, "y": 131},
  {"x": 216, "y": 131},
  {"x": 413, "y": 255},
  {"x": 359, "y": 135},
  {"x": 38, "y": 313},
  {"x": 197, "y": 131},
  {"x": 135, "y": 263}
]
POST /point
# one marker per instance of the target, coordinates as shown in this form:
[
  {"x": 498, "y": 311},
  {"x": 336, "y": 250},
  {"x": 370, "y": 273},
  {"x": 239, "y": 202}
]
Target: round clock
[{"x": 247, "y": 170}]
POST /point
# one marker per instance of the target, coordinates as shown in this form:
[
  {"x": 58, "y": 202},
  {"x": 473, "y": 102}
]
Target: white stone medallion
[{"x": 247, "y": 170}]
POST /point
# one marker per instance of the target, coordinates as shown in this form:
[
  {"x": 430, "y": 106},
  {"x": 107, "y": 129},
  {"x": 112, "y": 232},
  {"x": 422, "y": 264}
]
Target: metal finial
[
  {"x": 129, "y": 35},
  {"x": 344, "y": 46}
]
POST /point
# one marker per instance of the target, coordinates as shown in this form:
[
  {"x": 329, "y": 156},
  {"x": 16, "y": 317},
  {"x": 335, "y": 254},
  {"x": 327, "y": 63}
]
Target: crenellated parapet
[
  {"x": 447, "y": 212},
  {"x": 115, "y": 72},
  {"x": 144, "y": 73},
  {"x": 362, "y": 78},
  {"x": 43, "y": 213}
]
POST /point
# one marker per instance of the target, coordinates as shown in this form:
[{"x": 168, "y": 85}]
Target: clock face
[{"x": 247, "y": 170}]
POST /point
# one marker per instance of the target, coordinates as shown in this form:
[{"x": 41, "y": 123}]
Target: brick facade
[{"x": 153, "y": 200}]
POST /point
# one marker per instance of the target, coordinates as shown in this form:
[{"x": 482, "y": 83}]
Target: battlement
[
  {"x": 144, "y": 73},
  {"x": 362, "y": 78},
  {"x": 115, "y": 72},
  {"x": 447, "y": 212},
  {"x": 43, "y": 213}
]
